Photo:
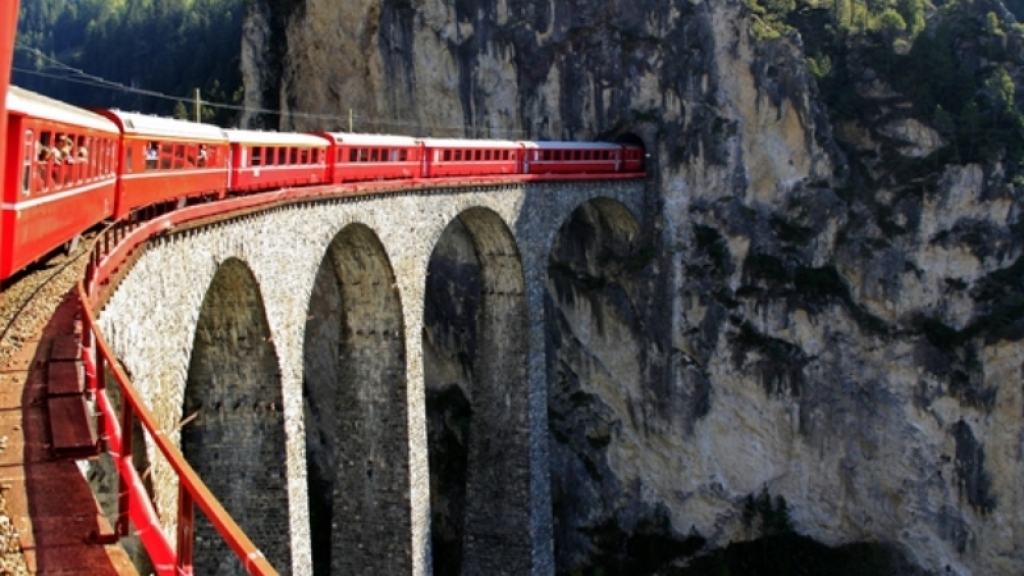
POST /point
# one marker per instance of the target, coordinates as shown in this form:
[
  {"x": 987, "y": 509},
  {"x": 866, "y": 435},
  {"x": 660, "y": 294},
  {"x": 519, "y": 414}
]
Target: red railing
[{"x": 110, "y": 250}]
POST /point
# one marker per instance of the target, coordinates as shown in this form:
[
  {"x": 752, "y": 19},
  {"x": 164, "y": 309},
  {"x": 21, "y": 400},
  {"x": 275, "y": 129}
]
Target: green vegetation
[
  {"x": 765, "y": 516},
  {"x": 955, "y": 70},
  {"x": 169, "y": 47}
]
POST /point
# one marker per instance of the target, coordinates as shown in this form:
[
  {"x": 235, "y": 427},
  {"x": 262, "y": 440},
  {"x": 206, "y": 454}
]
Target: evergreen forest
[
  {"x": 955, "y": 63},
  {"x": 67, "y": 49}
]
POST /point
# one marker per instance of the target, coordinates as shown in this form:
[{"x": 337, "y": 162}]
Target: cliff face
[{"x": 804, "y": 320}]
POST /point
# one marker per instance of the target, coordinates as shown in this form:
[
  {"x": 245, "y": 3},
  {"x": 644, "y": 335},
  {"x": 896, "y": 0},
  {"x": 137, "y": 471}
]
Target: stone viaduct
[{"x": 288, "y": 354}]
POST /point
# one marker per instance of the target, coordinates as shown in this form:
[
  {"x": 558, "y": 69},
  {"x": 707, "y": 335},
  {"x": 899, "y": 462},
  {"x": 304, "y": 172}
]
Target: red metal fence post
[
  {"x": 123, "y": 492},
  {"x": 186, "y": 530}
]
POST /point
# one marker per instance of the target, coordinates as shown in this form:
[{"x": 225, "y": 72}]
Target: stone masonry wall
[{"x": 151, "y": 323}]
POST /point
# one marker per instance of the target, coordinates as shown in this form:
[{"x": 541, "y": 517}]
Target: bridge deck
[{"x": 48, "y": 499}]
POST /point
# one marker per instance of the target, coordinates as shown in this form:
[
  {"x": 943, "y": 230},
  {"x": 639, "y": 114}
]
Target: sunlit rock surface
[{"x": 855, "y": 349}]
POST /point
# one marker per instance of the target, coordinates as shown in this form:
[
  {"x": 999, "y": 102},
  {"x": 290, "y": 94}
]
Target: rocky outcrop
[{"x": 825, "y": 308}]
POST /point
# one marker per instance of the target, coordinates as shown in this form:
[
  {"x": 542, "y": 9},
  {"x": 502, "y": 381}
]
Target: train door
[
  {"x": 28, "y": 154},
  {"x": 232, "y": 167}
]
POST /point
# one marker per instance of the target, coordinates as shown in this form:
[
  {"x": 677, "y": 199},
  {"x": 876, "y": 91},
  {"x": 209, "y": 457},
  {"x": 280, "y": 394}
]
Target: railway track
[{"x": 29, "y": 299}]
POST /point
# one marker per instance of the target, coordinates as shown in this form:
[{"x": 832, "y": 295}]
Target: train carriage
[
  {"x": 164, "y": 160},
  {"x": 572, "y": 157},
  {"x": 60, "y": 176},
  {"x": 268, "y": 160},
  {"x": 633, "y": 157},
  {"x": 355, "y": 157},
  {"x": 457, "y": 157}
]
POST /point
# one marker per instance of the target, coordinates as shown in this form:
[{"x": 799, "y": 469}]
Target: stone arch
[
  {"x": 593, "y": 356},
  {"x": 233, "y": 424},
  {"x": 355, "y": 391},
  {"x": 475, "y": 347}
]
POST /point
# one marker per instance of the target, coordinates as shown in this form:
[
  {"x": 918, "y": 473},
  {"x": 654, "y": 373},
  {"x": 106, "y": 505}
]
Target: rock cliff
[{"x": 825, "y": 307}]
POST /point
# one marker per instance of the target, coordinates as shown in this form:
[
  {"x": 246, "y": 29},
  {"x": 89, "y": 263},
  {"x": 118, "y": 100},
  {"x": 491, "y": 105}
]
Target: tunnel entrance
[
  {"x": 475, "y": 355},
  {"x": 354, "y": 388},
  {"x": 233, "y": 423}
]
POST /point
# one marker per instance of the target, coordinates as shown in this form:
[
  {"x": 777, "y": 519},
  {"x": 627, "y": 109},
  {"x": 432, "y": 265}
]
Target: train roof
[
  {"x": 137, "y": 124},
  {"x": 466, "y": 143},
  {"x": 275, "y": 138},
  {"x": 38, "y": 106},
  {"x": 371, "y": 139},
  {"x": 552, "y": 145}
]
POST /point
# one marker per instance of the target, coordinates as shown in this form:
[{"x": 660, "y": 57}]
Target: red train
[{"x": 69, "y": 169}]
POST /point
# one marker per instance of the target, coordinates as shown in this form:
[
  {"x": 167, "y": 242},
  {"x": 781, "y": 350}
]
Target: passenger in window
[
  {"x": 152, "y": 154},
  {"x": 82, "y": 151},
  {"x": 45, "y": 153},
  {"x": 201, "y": 158},
  {"x": 65, "y": 149}
]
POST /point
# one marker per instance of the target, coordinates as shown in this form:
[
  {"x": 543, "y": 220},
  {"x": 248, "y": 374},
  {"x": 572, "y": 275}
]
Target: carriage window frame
[{"x": 28, "y": 149}]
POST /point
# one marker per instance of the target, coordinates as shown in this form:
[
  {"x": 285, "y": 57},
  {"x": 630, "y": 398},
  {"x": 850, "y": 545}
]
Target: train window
[
  {"x": 403, "y": 155},
  {"x": 257, "y": 156},
  {"x": 458, "y": 155},
  {"x": 166, "y": 155},
  {"x": 364, "y": 155},
  {"x": 353, "y": 155},
  {"x": 304, "y": 156},
  {"x": 179, "y": 156},
  {"x": 271, "y": 153},
  {"x": 82, "y": 150},
  {"x": 152, "y": 153},
  {"x": 295, "y": 156},
  {"x": 373, "y": 155},
  {"x": 447, "y": 155},
  {"x": 282, "y": 156},
  {"x": 127, "y": 161}
]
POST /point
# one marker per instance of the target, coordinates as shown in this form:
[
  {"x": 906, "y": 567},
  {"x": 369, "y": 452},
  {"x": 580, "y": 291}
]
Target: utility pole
[
  {"x": 350, "y": 120},
  {"x": 198, "y": 101}
]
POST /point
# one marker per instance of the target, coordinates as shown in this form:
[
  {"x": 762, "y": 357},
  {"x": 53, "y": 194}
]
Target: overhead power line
[{"x": 78, "y": 76}]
